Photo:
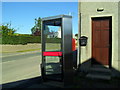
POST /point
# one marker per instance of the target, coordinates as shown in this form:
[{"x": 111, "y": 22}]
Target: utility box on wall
[{"x": 83, "y": 41}]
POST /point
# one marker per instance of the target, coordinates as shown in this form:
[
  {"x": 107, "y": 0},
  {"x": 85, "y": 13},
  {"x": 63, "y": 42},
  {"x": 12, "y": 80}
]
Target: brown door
[{"x": 101, "y": 40}]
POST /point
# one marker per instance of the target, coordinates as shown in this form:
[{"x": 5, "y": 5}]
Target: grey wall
[{"x": 119, "y": 34}]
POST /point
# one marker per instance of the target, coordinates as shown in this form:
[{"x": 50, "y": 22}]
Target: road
[{"x": 22, "y": 66}]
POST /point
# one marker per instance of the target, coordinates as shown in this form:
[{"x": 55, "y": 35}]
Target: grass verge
[{"x": 23, "y": 51}]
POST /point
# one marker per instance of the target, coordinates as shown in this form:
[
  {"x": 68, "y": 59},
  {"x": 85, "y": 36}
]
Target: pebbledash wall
[{"x": 88, "y": 10}]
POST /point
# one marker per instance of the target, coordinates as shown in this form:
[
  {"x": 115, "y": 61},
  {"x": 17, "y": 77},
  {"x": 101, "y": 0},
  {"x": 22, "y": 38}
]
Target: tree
[
  {"x": 37, "y": 28},
  {"x": 6, "y": 30}
]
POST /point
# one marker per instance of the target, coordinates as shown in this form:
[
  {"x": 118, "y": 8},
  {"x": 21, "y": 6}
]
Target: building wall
[
  {"x": 119, "y": 34},
  {"x": 89, "y": 10}
]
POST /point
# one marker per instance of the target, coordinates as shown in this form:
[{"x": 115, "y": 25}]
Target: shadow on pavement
[
  {"x": 28, "y": 83},
  {"x": 80, "y": 78},
  {"x": 93, "y": 74}
]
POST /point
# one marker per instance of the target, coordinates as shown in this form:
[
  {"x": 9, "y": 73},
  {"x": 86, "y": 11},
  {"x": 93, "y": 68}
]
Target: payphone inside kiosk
[{"x": 56, "y": 36}]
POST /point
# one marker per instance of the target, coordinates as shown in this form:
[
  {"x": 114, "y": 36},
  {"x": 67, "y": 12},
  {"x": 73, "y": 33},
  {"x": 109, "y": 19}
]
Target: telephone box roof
[{"x": 56, "y": 17}]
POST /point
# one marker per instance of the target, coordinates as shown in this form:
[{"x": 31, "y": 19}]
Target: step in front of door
[
  {"x": 99, "y": 73},
  {"x": 98, "y": 76}
]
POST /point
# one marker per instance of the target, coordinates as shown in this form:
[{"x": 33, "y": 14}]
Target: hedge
[
  {"x": 33, "y": 39},
  {"x": 14, "y": 40},
  {"x": 53, "y": 40},
  {"x": 0, "y": 40}
]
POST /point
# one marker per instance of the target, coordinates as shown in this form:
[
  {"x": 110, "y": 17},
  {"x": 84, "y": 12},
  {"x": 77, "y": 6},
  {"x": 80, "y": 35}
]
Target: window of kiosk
[
  {"x": 53, "y": 43},
  {"x": 52, "y": 36}
]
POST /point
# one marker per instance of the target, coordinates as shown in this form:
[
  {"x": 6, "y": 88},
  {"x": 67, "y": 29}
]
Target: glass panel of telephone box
[{"x": 53, "y": 43}]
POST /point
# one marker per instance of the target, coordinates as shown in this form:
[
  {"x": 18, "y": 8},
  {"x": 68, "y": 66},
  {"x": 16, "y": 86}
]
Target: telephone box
[{"x": 57, "y": 57}]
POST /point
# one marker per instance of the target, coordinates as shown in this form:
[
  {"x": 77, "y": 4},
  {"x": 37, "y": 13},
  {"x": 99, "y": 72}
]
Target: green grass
[
  {"x": 53, "y": 47},
  {"x": 28, "y": 50},
  {"x": 23, "y": 51}
]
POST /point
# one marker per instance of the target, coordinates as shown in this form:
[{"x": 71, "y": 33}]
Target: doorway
[{"x": 101, "y": 40}]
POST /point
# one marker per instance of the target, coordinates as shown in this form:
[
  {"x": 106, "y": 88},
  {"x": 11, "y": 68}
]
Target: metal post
[
  {"x": 67, "y": 50},
  {"x": 42, "y": 50}
]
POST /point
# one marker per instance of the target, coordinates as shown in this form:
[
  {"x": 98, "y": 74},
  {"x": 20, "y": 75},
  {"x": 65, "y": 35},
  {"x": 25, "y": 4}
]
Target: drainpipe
[
  {"x": 79, "y": 35},
  {"x": 79, "y": 47}
]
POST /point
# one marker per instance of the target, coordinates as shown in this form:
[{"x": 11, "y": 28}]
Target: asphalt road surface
[{"x": 20, "y": 67}]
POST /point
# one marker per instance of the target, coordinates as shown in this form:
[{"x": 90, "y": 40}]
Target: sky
[{"x": 21, "y": 15}]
